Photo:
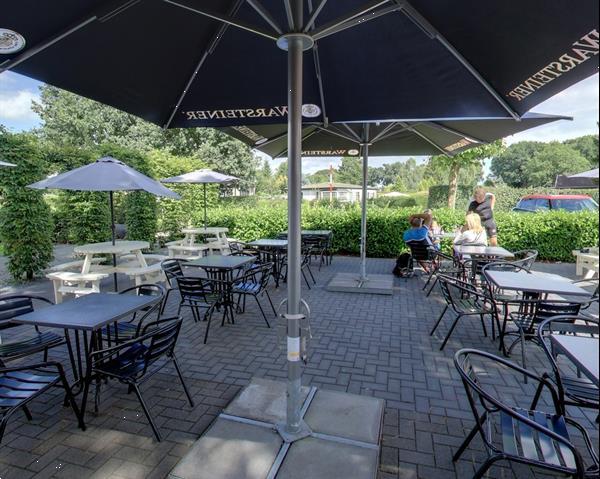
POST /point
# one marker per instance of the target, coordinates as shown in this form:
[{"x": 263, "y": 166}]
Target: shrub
[
  {"x": 394, "y": 202},
  {"x": 25, "y": 221},
  {"x": 506, "y": 197}
]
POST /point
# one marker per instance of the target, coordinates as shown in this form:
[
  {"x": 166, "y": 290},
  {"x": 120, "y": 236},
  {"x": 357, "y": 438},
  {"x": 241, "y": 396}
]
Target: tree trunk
[{"x": 453, "y": 185}]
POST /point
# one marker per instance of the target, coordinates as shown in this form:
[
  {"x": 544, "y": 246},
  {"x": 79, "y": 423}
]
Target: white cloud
[{"x": 16, "y": 105}]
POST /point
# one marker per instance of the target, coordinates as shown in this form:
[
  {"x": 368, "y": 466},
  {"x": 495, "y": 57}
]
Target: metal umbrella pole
[
  {"x": 204, "y": 205},
  {"x": 295, "y": 44},
  {"x": 363, "y": 220},
  {"x": 113, "y": 235}
]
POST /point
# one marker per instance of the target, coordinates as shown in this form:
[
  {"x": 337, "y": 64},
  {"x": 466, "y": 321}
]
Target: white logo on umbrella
[
  {"x": 310, "y": 111},
  {"x": 10, "y": 42},
  {"x": 353, "y": 152}
]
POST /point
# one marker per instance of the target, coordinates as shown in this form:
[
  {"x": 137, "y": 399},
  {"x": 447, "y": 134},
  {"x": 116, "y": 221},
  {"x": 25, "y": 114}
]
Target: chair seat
[
  {"x": 580, "y": 389},
  {"x": 520, "y": 440},
  {"x": 523, "y": 321},
  {"x": 126, "y": 331},
  {"x": 470, "y": 305},
  {"x": 246, "y": 288},
  {"x": 17, "y": 387},
  {"x": 33, "y": 344},
  {"x": 129, "y": 363}
]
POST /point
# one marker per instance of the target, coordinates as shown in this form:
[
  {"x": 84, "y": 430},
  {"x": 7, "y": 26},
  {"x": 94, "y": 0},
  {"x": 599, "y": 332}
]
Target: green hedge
[
  {"x": 553, "y": 234},
  {"x": 506, "y": 197}
]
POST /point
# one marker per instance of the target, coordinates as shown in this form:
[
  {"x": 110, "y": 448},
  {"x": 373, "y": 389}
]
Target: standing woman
[{"x": 483, "y": 204}]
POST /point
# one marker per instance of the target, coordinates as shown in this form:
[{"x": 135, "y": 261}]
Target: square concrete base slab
[
  {"x": 243, "y": 443},
  {"x": 230, "y": 450},
  {"x": 350, "y": 283},
  {"x": 318, "y": 459},
  {"x": 346, "y": 415},
  {"x": 262, "y": 400}
]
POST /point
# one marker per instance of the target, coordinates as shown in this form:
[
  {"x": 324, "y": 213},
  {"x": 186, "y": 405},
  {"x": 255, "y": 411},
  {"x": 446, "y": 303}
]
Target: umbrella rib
[
  {"x": 454, "y": 131},
  {"x": 384, "y": 132},
  {"x": 332, "y": 131},
  {"x": 225, "y": 19},
  {"x": 304, "y": 137},
  {"x": 352, "y": 132},
  {"x": 362, "y": 15},
  {"x": 314, "y": 15},
  {"x": 415, "y": 16},
  {"x": 262, "y": 11},
  {"x": 40, "y": 47},
  {"x": 290, "y": 15},
  {"x": 211, "y": 48},
  {"x": 424, "y": 137},
  {"x": 319, "y": 74}
]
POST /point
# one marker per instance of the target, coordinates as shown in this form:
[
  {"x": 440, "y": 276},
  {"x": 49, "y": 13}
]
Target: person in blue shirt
[{"x": 420, "y": 228}]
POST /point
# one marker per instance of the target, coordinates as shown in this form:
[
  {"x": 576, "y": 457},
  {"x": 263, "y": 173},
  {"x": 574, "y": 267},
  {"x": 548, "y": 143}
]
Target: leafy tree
[
  {"x": 509, "y": 164},
  {"x": 586, "y": 145},
  {"x": 469, "y": 158},
  {"x": 554, "y": 159},
  {"x": 350, "y": 171},
  {"x": 264, "y": 180},
  {"x": 25, "y": 220},
  {"x": 320, "y": 176}
]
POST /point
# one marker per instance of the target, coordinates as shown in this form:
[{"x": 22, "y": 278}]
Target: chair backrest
[
  {"x": 454, "y": 290},
  {"x": 525, "y": 258},
  {"x": 548, "y": 309},
  {"x": 172, "y": 268},
  {"x": 261, "y": 274},
  {"x": 162, "y": 342},
  {"x": 421, "y": 250},
  {"x": 192, "y": 288},
  {"x": 16, "y": 305}
]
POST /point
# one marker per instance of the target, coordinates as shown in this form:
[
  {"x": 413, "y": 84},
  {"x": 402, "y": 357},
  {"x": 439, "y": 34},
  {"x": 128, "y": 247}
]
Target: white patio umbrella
[
  {"x": 203, "y": 177},
  {"x": 106, "y": 174},
  {"x": 6, "y": 163}
]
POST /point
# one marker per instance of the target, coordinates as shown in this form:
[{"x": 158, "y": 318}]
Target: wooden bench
[
  {"x": 587, "y": 261},
  {"x": 79, "y": 284},
  {"x": 72, "y": 265},
  {"x": 144, "y": 275}
]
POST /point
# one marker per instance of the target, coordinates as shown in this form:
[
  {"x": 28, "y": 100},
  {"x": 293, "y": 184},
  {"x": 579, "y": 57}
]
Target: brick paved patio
[{"x": 366, "y": 344}]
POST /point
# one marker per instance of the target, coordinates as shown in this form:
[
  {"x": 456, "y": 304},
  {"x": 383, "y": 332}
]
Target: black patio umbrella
[
  {"x": 184, "y": 63},
  {"x": 386, "y": 139},
  {"x": 106, "y": 174}
]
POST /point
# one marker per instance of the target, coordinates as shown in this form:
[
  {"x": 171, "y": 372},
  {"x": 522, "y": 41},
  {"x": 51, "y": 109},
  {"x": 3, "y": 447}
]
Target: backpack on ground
[{"x": 403, "y": 265}]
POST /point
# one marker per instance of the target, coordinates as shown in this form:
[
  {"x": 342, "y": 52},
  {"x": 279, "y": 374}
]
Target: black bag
[{"x": 403, "y": 265}]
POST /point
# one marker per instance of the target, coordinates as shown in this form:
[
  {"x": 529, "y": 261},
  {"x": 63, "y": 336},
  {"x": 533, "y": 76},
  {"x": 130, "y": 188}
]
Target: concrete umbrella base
[{"x": 351, "y": 283}]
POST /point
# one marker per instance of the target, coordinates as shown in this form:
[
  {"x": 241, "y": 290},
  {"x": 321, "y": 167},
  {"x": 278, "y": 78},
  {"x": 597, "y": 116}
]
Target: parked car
[{"x": 533, "y": 203}]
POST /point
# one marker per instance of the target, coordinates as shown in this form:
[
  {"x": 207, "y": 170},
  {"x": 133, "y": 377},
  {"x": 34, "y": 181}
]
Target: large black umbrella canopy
[
  {"x": 173, "y": 62},
  {"x": 386, "y": 139},
  {"x": 402, "y": 138},
  {"x": 105, "y": 174},
  {"x": 185, "y": 63}
]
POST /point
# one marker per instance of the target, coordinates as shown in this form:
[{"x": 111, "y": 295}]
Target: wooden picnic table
[
  {"x": 118, "y": 249},
  {"x": 191, "y": 233}
]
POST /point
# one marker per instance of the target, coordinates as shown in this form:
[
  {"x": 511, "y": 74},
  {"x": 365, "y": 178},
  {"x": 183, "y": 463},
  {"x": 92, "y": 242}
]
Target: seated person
[
  {"x": 419, "y": 230},
  {"x": 472, "y": 233},
  {"x": 435, "y": 230}
]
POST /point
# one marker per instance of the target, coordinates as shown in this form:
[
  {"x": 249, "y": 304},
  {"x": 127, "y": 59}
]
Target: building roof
[{"x": 324, "y": 186}]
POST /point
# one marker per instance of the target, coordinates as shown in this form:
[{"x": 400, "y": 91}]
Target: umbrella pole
[
  {"x": 295, "y": 46},
  {"x": 204, "y": 205},
  {"x": 363, "y": 219},
  {"x": 113, "y": 235}
]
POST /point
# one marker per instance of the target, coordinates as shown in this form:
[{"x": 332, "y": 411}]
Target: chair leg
[
  {"x": 3, "y": 427},
  {"x": 465, "y": 443},
  {"x": 311, "y": 275},
  {"x": 187, "y": 393},
  {"x": 262, "y": 311},
  {"x": 523, "y": 362},
  {"x": 536, "y": 397},
  {"x": 27, "y": 413},
  {"x": 437, "y": 323},
  {"x": 71, "y": 399},
  {"x": 147, "y": 412},
  {"x": 450, "y": 331},
  {"x": 305, "y": 279},
  {"x": 435, "y": 281},
  {"x": 485, "y": 466},
  {"x": 164, "y": 303},
  {"x": 271, "y": 303},
  {"x": 431, "y": 274},
  {"x": 208, "y": 327},
  {"x": 483, "y": 325}
]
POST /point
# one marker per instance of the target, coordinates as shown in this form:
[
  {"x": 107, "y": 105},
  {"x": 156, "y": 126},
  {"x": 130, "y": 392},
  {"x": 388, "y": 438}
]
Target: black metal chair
[
  {"x": 137, "y": 360},
  {"x": 446, "y": 265},
  {"x": 572, "y": 389},
  {"x": 173, "y": 270},
  {"x": 126, "y": 330},
  {"x": 464, "y": 300},
  {"x": 202, "y": 294},
  {"x": 12, "y": 307},
  {"x": 254, "y": 283},
  {"x": 525, "y": 258},
  {"x": 525, "y": 436},
  {"x": 423, "y": 252},
  {"x": 318, "y": 245},
  {"x": 21, "y": 384},
  {"x": 307, "y": 252}
]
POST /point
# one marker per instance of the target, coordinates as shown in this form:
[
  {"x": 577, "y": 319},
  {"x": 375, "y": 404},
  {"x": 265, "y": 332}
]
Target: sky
[{"x": 580, "y": 101}]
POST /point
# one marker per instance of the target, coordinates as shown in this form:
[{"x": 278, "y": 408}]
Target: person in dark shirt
[{"x": 483, "y": 204}]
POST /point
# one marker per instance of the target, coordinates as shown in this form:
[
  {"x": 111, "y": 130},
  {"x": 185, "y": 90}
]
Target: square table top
[
  {"x": 496, "y": 251},
  {"x": 535, "y": 283},
  {"x": 216, "y": 261},
  {"x": 583, "y": 352},
  {"x": 313, "y": 232},
  {"x": 269, "y": 243},
  {"x": 88, "y": 313}
]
